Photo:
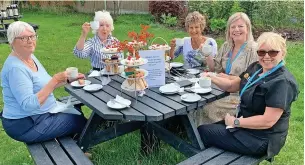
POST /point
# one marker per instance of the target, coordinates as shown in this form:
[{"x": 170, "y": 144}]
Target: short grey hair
[
  {"x": 16, "y": 28},
  {"x": 104, "y": 16}
]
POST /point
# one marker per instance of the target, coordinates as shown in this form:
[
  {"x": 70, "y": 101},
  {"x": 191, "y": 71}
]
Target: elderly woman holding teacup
[
  {"x": 234, "y": 56},
  {"x": 27, "y": 92},
  {"x": 102, "y": 27},
  {"x": 197, "y": 47},
  {"x": 267, "y": 90}
]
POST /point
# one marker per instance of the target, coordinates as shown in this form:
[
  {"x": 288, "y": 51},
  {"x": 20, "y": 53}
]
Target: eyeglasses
[
  {"x": 271, "y": 53},
  {"x": 27, "y": 38}
]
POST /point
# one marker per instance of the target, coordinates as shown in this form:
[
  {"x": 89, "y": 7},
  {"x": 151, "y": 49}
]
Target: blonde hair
[
  {"x": 235, "y": 17},
  {"x": 103, "y": 16},
  {"x": 195, "y": 17},
  {"x": 273, "y": 40}
]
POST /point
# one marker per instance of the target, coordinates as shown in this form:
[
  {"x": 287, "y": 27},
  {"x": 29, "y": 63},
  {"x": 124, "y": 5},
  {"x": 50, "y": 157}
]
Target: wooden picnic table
[{"x": 150, "y": 114}]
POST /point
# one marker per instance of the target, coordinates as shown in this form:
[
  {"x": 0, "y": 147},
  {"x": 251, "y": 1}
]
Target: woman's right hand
[
  {"x": 85, "y": 28},
  {"x": 60, "y": 78}
]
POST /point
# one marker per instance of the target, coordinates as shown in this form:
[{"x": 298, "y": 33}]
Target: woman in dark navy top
[{"x": 267, "y": 90}]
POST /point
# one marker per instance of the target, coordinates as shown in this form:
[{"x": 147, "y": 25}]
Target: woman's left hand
[{"x": 229, "y": 120}]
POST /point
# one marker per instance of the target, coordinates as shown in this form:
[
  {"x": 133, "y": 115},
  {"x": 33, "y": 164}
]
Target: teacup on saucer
[{"x": 205, "y": 82}]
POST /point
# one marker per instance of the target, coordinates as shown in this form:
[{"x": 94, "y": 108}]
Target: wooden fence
[{"x": 139, "y": 7}]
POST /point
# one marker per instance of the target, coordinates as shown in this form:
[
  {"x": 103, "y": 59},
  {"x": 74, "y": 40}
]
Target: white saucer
[
  {"x": 193, "y": 71},
  {"x": 77, "y": 85},
  {"x": 169, "y": 89},
  {"x": 112, "y": 105},
  {"x": 116, "y": 105},
  {"x": 176, "y": 64},
  {"x": 93, "y": 87},
  {"x": 190, "y": 97},
  {"x": 201, "y": 90}
]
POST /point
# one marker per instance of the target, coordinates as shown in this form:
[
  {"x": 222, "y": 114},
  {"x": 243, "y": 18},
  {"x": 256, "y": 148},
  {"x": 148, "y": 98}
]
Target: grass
[{"x": 57, "y": 37}]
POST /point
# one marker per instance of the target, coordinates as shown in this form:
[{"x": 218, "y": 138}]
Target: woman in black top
[{"x": 267, "y": 90}]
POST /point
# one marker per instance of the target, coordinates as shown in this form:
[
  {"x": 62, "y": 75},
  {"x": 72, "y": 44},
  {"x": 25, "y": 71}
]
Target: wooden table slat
[
  {"x": 180, "y": 108},
  {"x": 150, "y": 114},
  {"x": 94, "y": 103},
  {"x": 129, "y": 113},
  {"x": 165, "y": 110}
]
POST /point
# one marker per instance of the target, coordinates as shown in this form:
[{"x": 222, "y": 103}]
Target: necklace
[
  {"x": 29, "y": 64},
  {"x": 196, "y": 44}
]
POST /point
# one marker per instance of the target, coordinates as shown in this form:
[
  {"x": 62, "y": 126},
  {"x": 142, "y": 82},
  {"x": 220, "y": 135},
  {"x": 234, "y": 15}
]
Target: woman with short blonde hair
[{"x": 267, "y": 89}]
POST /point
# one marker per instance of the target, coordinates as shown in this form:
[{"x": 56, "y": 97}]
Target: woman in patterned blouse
[
  {"x": 196, "y": 47},
  {"x": 92, "y": 47}
]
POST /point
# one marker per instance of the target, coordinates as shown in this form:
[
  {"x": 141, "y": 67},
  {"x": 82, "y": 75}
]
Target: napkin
[
  {"x": 65, "y": 108},
  {"x": 122, "y": 100},
  {"x": 94, "y": 73},
  {"x": 229, "y": 127},
  {"x": 179, "y": 78},
  {"x": 141, "y": 93},
  {"x": 196, "y": 86}
]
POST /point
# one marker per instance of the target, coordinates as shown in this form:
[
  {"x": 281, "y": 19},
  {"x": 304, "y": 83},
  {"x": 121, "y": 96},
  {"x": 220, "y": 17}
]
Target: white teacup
[
  {"x": 179, "y": 41},
  {"x": 72, "y": 73},
  {"x": 205, "y": 82},
  {"x": 94, "y": 25}
]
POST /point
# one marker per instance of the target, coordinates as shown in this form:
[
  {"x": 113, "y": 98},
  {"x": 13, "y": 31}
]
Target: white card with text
[{"x": 155, "y": 67}]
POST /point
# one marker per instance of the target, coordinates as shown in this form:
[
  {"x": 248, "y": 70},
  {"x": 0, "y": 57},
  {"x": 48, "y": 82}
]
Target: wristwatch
[{"x": 236, "y": 122}]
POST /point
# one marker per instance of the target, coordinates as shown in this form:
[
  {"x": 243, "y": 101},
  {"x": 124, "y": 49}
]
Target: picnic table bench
[
  {"x": 59, "y": 151},
  {"x": 213, "y": 155},
  {"x": 4, "y": 27},
  {"x": 63, "y": 150}
]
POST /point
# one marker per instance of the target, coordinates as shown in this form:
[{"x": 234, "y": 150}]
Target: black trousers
[{"x": 234, "y": 140}]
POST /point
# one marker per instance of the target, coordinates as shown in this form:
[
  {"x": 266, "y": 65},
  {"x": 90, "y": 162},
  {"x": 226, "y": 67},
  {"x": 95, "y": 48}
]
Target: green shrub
[
  {"x": 218, "y": 25},
  {"x": 169, "y": 20},
  {"x": 265, "y": 15}
]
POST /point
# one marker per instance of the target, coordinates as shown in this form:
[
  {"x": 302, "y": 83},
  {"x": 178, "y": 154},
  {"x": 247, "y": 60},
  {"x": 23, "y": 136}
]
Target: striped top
[{"x": 92, "y": 50}]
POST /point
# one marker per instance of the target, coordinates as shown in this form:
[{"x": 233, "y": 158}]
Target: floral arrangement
[{"x": 139, "y": 41}]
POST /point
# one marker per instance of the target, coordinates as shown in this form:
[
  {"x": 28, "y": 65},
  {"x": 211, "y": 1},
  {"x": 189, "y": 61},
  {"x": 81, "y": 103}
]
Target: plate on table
[
  {"x": 176, "y": 64},
  {"x": 190, "y": 97},
  {"x": 93, "y": 87},
  {"x": 193, "y": 71},
  {"x": 123, "y": 62},
  {"x": 201, "y": 90},
  {"x": 118, "y": 103},
  {"x": 169, "y": 88},
  {"x": 77, "y": 85}
]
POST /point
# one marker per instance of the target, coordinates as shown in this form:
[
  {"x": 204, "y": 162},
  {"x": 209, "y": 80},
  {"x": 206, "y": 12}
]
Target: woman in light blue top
[
  {"x": 196, "y": 48},
  {"x": 27, "y": 92},
  {"x": 92, "y": 47}
]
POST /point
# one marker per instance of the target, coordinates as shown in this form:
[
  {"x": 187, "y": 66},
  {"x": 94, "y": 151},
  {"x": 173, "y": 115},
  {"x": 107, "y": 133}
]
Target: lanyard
[
  {"x": 229, "y": 64},
  {"x": 250, "y": 83}
]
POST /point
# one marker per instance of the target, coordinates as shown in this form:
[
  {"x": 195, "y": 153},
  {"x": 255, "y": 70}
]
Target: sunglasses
[{"x": 271, "y": 53}]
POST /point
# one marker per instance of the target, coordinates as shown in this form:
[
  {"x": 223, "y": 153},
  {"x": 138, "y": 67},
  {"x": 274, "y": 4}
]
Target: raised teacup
[
  {"x": 179, "y": 41},
  {"x": 72, "y": 73},
  {"x": 94, "y": 25}
]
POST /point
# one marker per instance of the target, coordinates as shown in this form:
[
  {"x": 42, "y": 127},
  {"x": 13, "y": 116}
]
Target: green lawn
[{"x": 57, "y": 37}]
